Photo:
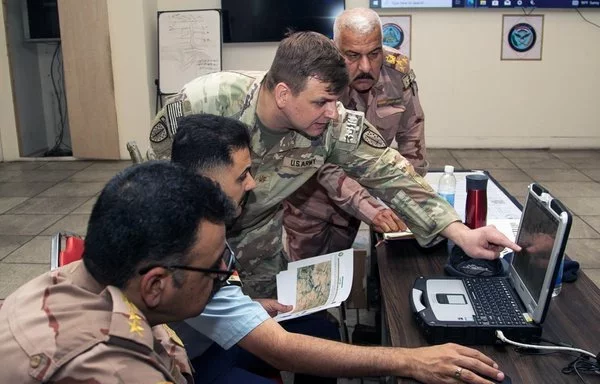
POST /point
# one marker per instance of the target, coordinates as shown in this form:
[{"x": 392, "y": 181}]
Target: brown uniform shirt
[
  {"x": 394, "y": 108},
  {"x": 64, "y": 327}
]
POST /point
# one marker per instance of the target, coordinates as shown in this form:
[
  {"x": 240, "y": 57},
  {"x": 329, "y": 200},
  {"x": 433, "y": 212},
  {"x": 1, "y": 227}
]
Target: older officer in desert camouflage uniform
[
  {"x": 153, "y": 253},
  {"x": 383, "y": 86},
  {"x": 297, "y": 125}
]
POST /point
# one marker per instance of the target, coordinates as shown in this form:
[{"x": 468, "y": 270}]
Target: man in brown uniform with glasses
[{"x": 155, "y": 252}]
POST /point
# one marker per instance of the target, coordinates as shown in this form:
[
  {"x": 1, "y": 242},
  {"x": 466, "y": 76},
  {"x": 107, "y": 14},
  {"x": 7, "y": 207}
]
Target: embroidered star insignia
[{"x": 134, "y": 327}]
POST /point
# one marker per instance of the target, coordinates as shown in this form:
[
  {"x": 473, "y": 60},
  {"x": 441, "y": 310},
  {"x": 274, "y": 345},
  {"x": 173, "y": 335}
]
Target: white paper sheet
[{"x": 315, "y": 284}]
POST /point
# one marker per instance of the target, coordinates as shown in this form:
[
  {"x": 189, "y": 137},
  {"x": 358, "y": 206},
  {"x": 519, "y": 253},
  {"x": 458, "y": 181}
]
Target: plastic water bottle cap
[{"x": 448, "y": 169}]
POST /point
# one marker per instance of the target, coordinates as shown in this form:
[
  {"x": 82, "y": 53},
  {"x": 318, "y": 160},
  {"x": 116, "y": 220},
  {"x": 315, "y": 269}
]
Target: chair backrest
[{"x": 66, "y": 248}]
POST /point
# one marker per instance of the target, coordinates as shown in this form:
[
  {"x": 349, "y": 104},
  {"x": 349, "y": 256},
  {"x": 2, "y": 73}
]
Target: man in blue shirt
[{"x": 233, "y": 318}]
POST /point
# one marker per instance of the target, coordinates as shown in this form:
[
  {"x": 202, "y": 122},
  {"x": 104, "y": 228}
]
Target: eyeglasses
[{"x": 228, "y": 258}]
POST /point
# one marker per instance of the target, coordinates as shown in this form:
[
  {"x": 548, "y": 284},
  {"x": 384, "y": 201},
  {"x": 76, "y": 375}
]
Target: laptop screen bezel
[{"x": 537, "y": 306}]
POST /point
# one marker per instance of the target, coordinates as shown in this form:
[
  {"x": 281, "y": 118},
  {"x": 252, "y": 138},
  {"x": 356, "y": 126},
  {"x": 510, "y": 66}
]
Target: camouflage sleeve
[
  {"x": 358, "y": 148},
  {"x": 218, "y": 93},
  {"x": 113, "y": 365},
  {"x": 411, "y": 132},
  {"x": 348, "y": 194},
  {"x": 164, "y": 125}
]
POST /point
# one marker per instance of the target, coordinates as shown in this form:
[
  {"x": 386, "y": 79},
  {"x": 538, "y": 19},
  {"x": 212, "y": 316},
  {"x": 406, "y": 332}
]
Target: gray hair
[{"x": 359, "y": 20}]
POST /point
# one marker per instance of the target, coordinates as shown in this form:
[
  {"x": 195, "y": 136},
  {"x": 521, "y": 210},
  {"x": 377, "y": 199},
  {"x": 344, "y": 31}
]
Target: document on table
[{"x": 315, "y": 284}]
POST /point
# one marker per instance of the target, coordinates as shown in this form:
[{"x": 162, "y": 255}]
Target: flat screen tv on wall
[
  {"x": 40, "y": 20},
  {"x": 268, "y": 20}
]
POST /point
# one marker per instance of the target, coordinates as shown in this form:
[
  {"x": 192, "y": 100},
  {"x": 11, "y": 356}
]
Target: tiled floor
[{"x": 40, "y": 198}]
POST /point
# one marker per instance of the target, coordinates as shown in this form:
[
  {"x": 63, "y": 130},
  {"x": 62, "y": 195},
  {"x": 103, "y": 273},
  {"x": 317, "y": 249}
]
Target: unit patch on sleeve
[
  {"x": 159, "y": 131},
  {"x": 174, "y": 112},
  {"x": 351, "y": 127},
  {"x": 373, "y": 138},
  {"x": 408, "y": 80}
]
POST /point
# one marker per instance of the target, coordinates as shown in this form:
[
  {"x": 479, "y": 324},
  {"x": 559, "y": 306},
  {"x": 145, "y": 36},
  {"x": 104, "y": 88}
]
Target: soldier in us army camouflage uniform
[
  {"x": 383, "y": 86},
  {"x": 297, "y": 125},
  {"x": 96, "y": 320}
]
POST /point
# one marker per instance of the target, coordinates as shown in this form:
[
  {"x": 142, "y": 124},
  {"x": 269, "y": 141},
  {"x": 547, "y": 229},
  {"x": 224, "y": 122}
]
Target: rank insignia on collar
[{"x": 390, "y": 59}]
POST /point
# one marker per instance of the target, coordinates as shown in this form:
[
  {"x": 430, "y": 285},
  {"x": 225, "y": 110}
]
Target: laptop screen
[{"x": 536, "y": 237}]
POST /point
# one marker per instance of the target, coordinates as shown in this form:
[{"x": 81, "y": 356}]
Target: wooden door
[{"x": 89, "y": 85}]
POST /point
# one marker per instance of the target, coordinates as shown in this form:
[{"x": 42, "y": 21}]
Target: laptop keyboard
[{"x": 493, "y": 302}]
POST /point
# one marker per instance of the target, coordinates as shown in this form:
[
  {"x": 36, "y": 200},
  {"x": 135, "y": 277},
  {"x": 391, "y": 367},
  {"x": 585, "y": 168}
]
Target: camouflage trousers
[{"x": 260, "y": 257}]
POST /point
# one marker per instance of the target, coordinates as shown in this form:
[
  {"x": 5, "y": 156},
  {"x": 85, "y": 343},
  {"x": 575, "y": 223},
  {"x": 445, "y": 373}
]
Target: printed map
[{"x": 313, "y": 286}]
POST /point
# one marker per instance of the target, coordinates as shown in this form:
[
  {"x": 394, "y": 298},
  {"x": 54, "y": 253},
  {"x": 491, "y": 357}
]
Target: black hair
[
  {"x": 303, "y": 55},
  {"x": 149, "y": 213},
  {"x": 203, "y": 141}
]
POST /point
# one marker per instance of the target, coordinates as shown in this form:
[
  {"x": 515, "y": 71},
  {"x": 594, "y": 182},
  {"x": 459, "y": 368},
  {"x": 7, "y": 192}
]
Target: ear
[
  {"x": 282, "y": 94},
  {"x": 154, "y": 285}
]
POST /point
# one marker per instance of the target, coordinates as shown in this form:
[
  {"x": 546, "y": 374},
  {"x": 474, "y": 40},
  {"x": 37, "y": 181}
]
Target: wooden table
[{"x": 573, "y": 317}]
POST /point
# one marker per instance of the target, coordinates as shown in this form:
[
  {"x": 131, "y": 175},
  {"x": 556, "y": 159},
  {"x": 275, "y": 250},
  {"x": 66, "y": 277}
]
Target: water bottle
[
  {"x": 476, "y": 205},
  {"x": 558, "y": 282},
  {"x": 447, "y": 190},
  {"x": 447, "y": 185}
]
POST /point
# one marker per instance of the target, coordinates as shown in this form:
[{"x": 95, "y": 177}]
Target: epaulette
[{"x": 397, "y": 61}]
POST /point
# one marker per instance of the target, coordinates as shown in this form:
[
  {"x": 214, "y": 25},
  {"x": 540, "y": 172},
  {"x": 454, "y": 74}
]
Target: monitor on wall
[
  {"x": 40, "y": 20},
  {"x": 393, "y": 4},
  {"x": 268, "y": 20}
]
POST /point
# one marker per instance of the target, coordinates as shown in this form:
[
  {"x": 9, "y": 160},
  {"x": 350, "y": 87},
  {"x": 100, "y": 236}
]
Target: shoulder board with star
[{"x": 396, "y": 60}]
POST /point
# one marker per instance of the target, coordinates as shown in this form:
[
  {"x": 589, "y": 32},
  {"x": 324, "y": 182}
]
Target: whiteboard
[{"x": 189, "y": 45}]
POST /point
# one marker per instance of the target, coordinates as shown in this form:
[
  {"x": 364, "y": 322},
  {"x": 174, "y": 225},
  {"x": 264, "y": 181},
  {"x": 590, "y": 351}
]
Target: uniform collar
[{"x": 81, "y": 277}]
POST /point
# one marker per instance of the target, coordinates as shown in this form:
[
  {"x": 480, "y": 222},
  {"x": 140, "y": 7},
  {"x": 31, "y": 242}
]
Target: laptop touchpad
[{"x": 449, "y": 300}]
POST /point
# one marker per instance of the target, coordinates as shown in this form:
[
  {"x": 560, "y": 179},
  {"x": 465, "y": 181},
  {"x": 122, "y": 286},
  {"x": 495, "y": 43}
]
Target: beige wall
[{"x": 471, "y": 97}]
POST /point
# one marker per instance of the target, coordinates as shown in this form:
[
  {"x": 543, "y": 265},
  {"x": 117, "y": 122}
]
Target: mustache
[
  {"x": 244, "y": 200},
  {"x": 364, "y": 76}
]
